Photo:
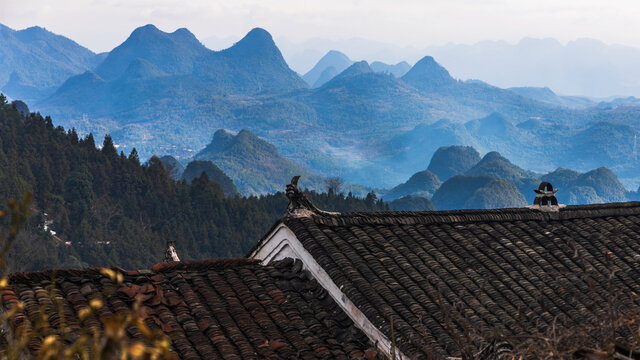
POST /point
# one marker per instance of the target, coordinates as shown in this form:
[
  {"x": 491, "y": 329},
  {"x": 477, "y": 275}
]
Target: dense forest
[{"x": 108, "y": 208}]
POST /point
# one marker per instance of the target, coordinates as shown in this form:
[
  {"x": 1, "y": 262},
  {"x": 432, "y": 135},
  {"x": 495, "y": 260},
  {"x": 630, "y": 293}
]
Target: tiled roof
[
  {"x": 214, "y": 309},
  {"x": 506, "y": 271}
]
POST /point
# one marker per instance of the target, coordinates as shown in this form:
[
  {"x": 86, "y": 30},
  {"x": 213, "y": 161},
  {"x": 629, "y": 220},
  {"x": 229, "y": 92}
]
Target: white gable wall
[{"x": 282, "y": 243}]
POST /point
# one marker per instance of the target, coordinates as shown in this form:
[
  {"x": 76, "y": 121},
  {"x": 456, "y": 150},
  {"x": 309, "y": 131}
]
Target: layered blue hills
[
  {"x": 34, "y": 61},
  {"x": 164, "y": 93}
]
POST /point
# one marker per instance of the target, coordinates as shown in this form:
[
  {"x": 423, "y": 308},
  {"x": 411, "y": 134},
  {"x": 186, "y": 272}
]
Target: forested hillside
[
  {"x": 255, "y": 165},
  {"x": 109, "y": 209}
]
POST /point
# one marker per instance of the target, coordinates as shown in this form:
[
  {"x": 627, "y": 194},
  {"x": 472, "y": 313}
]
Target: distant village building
[{"x": 403, "y": 285}]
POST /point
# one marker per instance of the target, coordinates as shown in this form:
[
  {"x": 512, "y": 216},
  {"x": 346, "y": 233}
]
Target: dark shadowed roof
[
  {"x": 232, "y": 308},
  {"x": 506, "y": 271}
]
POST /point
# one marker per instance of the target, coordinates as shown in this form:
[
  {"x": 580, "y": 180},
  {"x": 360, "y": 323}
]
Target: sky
[{"x": 101, "y": 25}]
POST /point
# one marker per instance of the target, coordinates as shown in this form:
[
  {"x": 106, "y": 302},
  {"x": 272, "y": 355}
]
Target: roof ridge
[
  {"x": 474, "y": 215},
  {"x": 29, "y": 276},
  {"x": 215, "y": 263},
  {"x": 48, "y": 274}
]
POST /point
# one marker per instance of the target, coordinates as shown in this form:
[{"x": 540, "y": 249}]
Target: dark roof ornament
[
  {"x": 299, "y": 205},
  {"x": 545, "y": 195},
  {"x": 546, "y": 198}
]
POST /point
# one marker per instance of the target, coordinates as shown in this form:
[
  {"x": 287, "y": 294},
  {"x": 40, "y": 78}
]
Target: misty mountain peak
[
  {"x": 493, "y": 156},
  {"x": 495, "y": 165},
  {"x": 452, "y": 160},
  {"x": 243, "y": 141},
  {"x": 258, "y": 34},
  {"x": 360, "y": 67},
  {"x": 256, "y": 40},
  {"x": 427, "y": 74},
  {"x": 145, "y": 31},
  {"x": 173, "y": 53},
  {"x": 221, "y": 135},
  {"x": 34, "y": 32},
  {"x": 151, "y": 33},
  {"x": 335, "y": 55},
  {"x": 257, "y": 45},
  {"x": 318, "y": 75}
]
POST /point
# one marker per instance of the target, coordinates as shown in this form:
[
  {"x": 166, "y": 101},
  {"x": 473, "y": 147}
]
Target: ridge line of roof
[
  {"x": 29, "y": 276},
  {"x": 214, "y": 264},
  {"x": 476, "y": 215}
]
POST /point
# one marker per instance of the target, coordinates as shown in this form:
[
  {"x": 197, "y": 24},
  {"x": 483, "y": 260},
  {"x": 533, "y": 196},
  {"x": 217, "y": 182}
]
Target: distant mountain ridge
[
  {"x": 252, "y": 65},
  {"x": 584, "y": 67},
  {"x": 493, "y": 182},
  {"x": 397, "y": 70},
  {"x": 370, "y": 128},
  {"x": 546, "y": 95},
  {"x": 34, "y": 61},
  {"x": 333, "y": 59},
  {"x": 173, "y": 53},
  {"x": 334, "y": 62}
]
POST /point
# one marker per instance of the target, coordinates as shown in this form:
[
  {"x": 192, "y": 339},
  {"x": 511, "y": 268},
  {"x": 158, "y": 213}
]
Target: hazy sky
[{"x": 102, "y": 24}]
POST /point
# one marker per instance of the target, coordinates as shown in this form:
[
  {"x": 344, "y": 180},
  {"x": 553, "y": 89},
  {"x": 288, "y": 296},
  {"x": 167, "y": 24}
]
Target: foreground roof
[
  {"x": 232, "y": 308},
  {"x": 500, "y": 272}
]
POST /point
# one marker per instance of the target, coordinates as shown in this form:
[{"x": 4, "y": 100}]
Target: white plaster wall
[{"x": 283, "y": 243}]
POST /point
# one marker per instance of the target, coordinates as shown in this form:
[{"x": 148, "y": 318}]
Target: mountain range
[
  {"x": 585, "y": 67},
  {"x": 334, "y": 62},
  {"x": 471, "y": 182},
  {"x": 165, "y": 93},
  {"x": 34, "y": 61}
]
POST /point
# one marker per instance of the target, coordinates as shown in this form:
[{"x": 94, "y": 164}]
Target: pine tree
[
  {"x": 108, "y": 149},
  {"x": 133, "y": 156}
]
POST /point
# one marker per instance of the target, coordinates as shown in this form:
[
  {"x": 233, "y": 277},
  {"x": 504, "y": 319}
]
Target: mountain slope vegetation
[
  {"x": 477, "y": 192},
  {"x": 199, "y": 168},
  {"x": 112, "y": 210},
  {"x": 255, "y": 166},
  {"x": 421, "y": 184},
  {"x": 452, "y": 160}
]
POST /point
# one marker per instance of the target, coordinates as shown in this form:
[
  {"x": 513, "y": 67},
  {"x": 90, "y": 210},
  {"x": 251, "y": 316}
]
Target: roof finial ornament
[
  {"x": 546, "y": 198},
  {"x": 298, "y": 202},
  {"x": 171, "y": 254},
  {"x": 545, "y": 195}
]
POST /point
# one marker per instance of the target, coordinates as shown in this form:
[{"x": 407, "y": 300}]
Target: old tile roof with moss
[
  {"x": 230, "y": 308},
  {"x": 501, "y": 272}
]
